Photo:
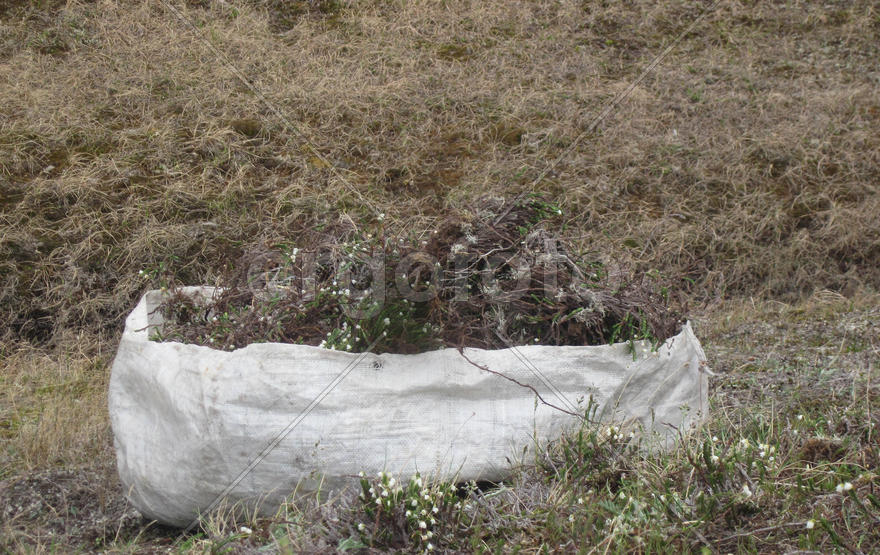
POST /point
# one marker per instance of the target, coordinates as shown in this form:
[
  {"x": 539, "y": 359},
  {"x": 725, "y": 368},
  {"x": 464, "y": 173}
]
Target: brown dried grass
[{"x": 746, "y": 163}]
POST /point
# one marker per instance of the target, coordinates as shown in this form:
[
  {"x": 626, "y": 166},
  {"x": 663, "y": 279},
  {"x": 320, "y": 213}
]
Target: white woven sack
[{"x": 191, "y": 421}]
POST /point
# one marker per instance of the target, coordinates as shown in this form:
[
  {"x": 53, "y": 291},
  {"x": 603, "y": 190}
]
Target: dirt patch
[{"x": 78, "y": 508}]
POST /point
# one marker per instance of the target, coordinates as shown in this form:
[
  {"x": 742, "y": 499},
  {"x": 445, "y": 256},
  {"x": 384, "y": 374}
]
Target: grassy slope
[{"x": 748, "y": 163}]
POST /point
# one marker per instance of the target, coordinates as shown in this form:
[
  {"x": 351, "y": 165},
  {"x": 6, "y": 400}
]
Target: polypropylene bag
[{"x": 192, "y": 424}]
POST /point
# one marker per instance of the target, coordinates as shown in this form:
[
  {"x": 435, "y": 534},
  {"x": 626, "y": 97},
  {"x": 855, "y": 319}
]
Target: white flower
[
  {"x": 846, "y": 486},
  {"x": 386, "y": 321},
  {"x": 380, "y": 217},
  {"x": 435, "y": 510},
  {"x": 580, "y": 500},
  {"x": 361, "y": 526},
  {"x": 715, "y": 459},
  {"x": 801, "y": 417},
  {"x": 423, "y": 524},
  {"x": 810, "y": 524},
  {"x": 246, "y": 530},
  {"x": 430, "y": 546},
  {"x": 571, "y": 518},
  {"x": 746, "y": 491}
]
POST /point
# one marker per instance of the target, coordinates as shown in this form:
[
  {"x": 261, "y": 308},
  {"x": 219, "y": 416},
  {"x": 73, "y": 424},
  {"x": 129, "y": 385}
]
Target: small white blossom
[
  {"x": 846, "y": 486},
  {"x": 361, "y": 526},
  {"x": 746, "y": 491},
  {"x": 810, "y": 524},
  {"x": 246, "y": 530},
  {"x": 423, "y": 524}
]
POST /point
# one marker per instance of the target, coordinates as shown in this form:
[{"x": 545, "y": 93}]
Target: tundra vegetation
[{"x": 156, "y": 143}]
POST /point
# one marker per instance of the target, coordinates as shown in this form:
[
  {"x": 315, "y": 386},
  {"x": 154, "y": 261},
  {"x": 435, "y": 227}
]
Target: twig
[{"x": 508, "y": 378}]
